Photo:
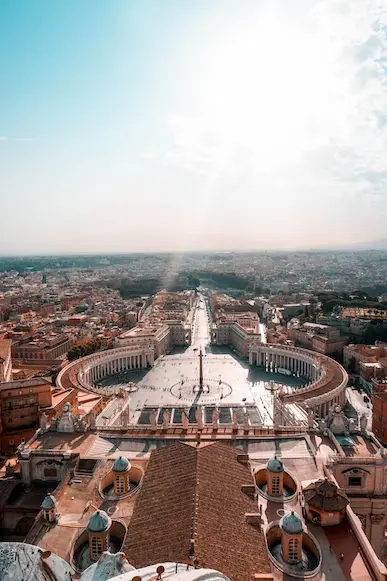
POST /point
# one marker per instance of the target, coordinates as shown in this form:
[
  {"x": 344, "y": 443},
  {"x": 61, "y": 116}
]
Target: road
[{"x": 201, "y": 334}]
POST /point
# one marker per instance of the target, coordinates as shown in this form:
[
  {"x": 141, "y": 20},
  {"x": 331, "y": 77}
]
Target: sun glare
[{"x": 272, "y": 90}]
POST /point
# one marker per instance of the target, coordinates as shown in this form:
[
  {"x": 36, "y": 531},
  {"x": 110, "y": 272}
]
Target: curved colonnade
[
  {"x": 85, "y": 372},
  {"x": 326, "y": 387},
  {"x": 328, "y": 379}
]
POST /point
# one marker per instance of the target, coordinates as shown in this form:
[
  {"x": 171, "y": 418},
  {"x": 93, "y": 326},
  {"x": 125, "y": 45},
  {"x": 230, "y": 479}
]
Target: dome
[
  {"x": 292, "y": 524},
  {"x": 326, "y": 488},
  {"x": 99, "y": 522},
  {"x": 121, "y": 465},
  {"x": 325, "y": 495},
  {"x": 275, "y": 465},
  {"x": 48, "y": 503},
  {"x": 24, "y": 561}
]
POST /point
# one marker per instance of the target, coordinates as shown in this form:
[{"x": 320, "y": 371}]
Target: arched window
[
  {"x": 275, "y": 485},
  {"x": 293, "y": 551}
]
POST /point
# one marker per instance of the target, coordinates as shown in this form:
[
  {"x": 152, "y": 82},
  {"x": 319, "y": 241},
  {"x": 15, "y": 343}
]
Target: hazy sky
[{"x": 188, "y": 124}]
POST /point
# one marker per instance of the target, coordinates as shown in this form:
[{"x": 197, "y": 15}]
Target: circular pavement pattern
[{"x": 189, "y": 391}]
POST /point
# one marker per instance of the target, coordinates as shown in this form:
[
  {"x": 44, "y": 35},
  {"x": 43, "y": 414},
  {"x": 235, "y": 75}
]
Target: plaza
[{"x": 229, "y": 383}]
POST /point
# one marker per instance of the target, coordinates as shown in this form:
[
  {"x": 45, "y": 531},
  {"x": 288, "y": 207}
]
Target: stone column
[{"x": 25, "y": 469}]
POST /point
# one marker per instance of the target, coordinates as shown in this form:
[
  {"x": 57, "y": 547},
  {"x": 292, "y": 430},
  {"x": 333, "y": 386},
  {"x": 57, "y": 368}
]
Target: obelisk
[{"x": 200, "y": 370}]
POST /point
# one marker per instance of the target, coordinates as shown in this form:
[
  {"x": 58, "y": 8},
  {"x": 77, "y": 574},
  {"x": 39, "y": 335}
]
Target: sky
[{"x": 148, "y": 125}]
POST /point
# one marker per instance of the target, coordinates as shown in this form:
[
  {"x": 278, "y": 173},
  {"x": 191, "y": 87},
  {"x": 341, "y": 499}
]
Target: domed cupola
[
  {"x": 99, "y": 535},
  {"x": 292, "y": 529},
  {"x": 275, "y": 465},
  {"x": 325, "y": 503},
  {"x": 121, "y": 465},
  {"x": 121, "y": 468},
  {"x": 99, "y": 522},
  {"x": 292, "y": 524},
  {"x": 48, "y": 507},
  {"x": 275, "y": 477}
]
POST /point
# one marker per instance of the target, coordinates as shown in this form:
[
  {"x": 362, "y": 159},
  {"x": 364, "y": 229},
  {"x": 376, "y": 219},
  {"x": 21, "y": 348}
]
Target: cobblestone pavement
[{"x": 229, "y": 380}]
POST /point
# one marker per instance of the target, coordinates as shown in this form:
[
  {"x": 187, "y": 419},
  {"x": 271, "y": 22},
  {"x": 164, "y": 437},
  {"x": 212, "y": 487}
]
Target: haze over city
[{"x": 142, "y": 126}]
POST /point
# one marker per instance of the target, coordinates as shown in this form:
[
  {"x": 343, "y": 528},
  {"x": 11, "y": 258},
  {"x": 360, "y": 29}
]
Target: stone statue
[
  {"x": 199, "y": 417},
  {"x": 81, "y": 424},
  {"x": 125, "y": 416},
  {"x": 66, "y": 421},
  {"x": 153, "y": 420},
  {"x": 363, "y": 423},
  {"x": 166, "y": 419},
  {"x": 310, "y": 418},
  {"x": 246, "y": 420},
  {"x": 43, "y": 421},
  {"x": 185, "y": 418},
  {"x": 215, "y": 419},
  {"x": 234, "y": 420},
  {"x": 92, "y": 419},
  {"x": 338, "y": 423}
]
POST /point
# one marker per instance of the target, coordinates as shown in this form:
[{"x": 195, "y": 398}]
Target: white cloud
[{"x": 295, "y": 104}]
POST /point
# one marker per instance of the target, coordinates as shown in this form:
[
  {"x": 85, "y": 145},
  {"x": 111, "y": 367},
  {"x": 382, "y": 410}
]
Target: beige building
[
  {"x": 320, "y": 338},
  {"x": 5, "y": 360},
  {"x": 41, "y": 348}
]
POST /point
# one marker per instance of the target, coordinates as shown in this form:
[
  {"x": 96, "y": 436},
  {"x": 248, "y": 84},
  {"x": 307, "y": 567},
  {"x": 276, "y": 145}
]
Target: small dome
[
  {"x": 292, "y": 524},
  {"x": 326, "y": 488},
  {"x": 99, "y": 522},
  {"x": 275, "y": 465},
  {"x": 48, "y": 503},
  {"x": 121, "y": 465}
]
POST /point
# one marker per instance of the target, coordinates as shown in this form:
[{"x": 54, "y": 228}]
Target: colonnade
[
  {"x": 121, "y": 363},
  {"x": 273, "y": 360},
  {"x": 298, "y": 362}
]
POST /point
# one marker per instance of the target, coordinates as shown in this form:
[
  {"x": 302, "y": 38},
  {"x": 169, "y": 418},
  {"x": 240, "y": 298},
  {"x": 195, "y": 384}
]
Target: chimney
[{"x": 253, "y": 518}]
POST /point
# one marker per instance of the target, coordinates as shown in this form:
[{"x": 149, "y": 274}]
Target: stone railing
[
  {"x": 73, "y": 375},
  {"x": 331, "y": 382}
]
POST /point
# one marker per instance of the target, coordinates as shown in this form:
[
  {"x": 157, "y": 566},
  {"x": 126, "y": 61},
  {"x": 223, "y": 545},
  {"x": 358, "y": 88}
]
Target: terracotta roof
[
  {"x": 6, "y": 488},
  {"x": 325, "y": 495},
  {"x": 191, "y": 493},
  {"x": 161, "y": 526},
  {"x": 5, "y": 346}
]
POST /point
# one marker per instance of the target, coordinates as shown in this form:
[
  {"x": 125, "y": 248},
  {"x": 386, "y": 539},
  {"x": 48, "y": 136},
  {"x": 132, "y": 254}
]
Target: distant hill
[{"x": 356, "y": 246}]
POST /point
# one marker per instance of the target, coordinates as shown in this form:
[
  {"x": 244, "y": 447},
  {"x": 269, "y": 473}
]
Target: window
[
  {"x": 50, "y": 473},
  {"x": 120, "y": 484},
  {"x": 354, "y": 481},
  {"x": 96, "y": 547},
  {"x": 293, "y": 551},
  {"x": 275, "y": 485}
]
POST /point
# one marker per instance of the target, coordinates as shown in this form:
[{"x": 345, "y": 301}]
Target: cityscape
[
  {"x": 193, "y": 290},
  {"x": 119, "y": 405}
]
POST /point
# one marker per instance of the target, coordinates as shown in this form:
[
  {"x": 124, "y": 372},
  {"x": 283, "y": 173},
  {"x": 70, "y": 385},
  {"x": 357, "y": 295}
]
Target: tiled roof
[
  {"x": 162, "y": 523},
  {"x": 6, "y": 487},
  {"x": 34, "y": 381},
  {"x": 5, "y": 346},
  {"x": 196, "y": 493}
]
